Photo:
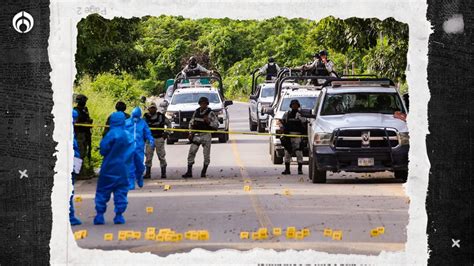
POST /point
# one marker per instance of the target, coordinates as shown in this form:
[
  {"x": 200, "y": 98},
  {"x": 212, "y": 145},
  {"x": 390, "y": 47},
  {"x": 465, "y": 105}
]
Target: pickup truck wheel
[
  {"x": 276, "y": 159},
  {"x": 223, "y": 138},
  {"x": 316, "y": 175},
  {"x": 260, "y": 127},
  {"x": 310, "y": 168},
  {"x": 252, "y": 125},
  {"x": 402, "y": 175}
]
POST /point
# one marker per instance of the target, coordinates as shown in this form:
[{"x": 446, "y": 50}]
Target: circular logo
[{"x": 23, "y": 22}]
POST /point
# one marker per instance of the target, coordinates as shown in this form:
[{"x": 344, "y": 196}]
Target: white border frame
[{"x": 62, "y": 48}]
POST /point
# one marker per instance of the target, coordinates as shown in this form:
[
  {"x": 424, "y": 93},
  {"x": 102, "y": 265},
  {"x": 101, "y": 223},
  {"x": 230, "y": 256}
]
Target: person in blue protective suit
[
  {"x": 140, "y": 131},
  {"x": 117, "y": 149},
  {"x": 72, "y": 218}
]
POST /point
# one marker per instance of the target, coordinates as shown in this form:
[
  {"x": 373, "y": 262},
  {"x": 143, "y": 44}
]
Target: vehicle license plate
[{"x": 366, "y": 162}]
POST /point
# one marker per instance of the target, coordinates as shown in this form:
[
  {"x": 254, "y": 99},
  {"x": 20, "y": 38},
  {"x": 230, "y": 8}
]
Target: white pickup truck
[{"x": 358, "y": 125}]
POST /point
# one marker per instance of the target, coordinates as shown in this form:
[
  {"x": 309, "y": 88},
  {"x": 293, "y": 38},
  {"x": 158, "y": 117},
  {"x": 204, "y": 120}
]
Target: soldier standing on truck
[
  {"x": 270, "y": 69},
  {"x": 156, "y": 119},
  {"x": 193, "y": 68},
  {"x": 293, "y": 124},
  {"x": 321, "y": 65},
  {"x": 203, "y": 119}
]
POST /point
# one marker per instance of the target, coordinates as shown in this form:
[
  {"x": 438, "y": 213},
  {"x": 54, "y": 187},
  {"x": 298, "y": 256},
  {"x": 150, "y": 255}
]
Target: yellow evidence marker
[
  {"x": 287, "y": 192},
  {"x": 262, "y": 233},
  {"x": 108, "y": 237},
  {"x": 299, "y": 235},
  {"x": 194, "y": 235},
  {"x": 337, "y": 235},
  {"x": 244, "y": 235},
  {"x": 306, "y": 232},
  {"x": 149, "y": 210},
  {"x": 159, "y": 238},
  {"x": 166, "y": 187},
  {"x": 381, "y": 230},
  {"x": 276, "y": 231},
  {"x": 255, "y": 236},
  {"x": 78, "y": 235},
  {"x": 150, "y": 236},
  {"x": 164, "y": 231},
  {"x": 151, "y": 230},
  {"x": 290, "y": 232},
  {"x": 203, "y": 235},
  {"x": 374, "y": 232},
  {"x": 247, "y": 188},
  {"x": 78, "y": 199},
  {"x": 179, "y": 236},
  {"x": 137, "y": 235},
  {"x": 327, "y": 232},
  {"x": 122, "y": 235},
  {"x": 130, "y": 235}
]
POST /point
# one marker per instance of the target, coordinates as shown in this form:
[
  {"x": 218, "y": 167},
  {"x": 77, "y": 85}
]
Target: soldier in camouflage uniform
[
  {"x": 293, "y": 124},
  {"x": 156, "y": 119},
  {"x": 203, "y": 119}
]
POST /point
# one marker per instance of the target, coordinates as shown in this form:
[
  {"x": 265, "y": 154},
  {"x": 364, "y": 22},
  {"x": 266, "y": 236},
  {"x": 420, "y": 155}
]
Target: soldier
[
  {"x": 83, "y": 134},
  {"x": 321, "y": 65},
  {"x": 203, "y": 119},
  {"x": 193, "y": 68},
  {"x": 270, "y": 69},
  {"x": 156, "y": 119},
  {"x": 293, "y": 123}
]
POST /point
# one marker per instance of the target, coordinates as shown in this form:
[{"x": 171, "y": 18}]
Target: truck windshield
[
  {"x": 267, "y": 92},
  {"x": 343, "y": 103},
  {"x": 194, "y": 97},
  {"x": 306, "y": 102}
]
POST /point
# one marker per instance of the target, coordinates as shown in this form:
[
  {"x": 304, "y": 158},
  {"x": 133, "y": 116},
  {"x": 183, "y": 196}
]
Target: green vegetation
[{"x": 123, "y": 59}]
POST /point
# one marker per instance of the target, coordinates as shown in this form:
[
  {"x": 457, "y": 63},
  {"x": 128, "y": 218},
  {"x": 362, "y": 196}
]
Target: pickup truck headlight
[
  {"x": 404, "y": 138},
  {"x": 322, "y": 138},
  {"x": 277, "y": 125},
  {"x": 170, "y": 115}
]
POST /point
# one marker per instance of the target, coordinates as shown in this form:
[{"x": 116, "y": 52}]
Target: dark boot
[
  {"x": 189, "y": 173},
  {"x": 300, "y": 168},
  {"x": 204, "y": 170},
  {"x": 287, "y": 169},
  {"x": 147, "y": 173},
  {"x": 163, "y": 172}
]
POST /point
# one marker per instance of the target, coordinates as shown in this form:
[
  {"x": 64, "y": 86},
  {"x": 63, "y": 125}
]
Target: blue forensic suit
[
  {"x": 117, "y": 149},
  {"x": 140, "y": 131},
  {"x": 72, "y": 218}
]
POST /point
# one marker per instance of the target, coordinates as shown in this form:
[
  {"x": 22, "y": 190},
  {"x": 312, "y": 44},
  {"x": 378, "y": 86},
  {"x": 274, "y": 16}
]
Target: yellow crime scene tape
[{"x": 207, "y": 131}]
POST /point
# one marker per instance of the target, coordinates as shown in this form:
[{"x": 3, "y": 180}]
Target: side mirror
[
  {"x": 268, "y": 110},
  {"x": 161, "y": 95},
  {"x": 307, "y": 113},
  {"x": 164, "y": 104},
  {"x": 227, "y": 103},
  {"x": 253, "y": 97}
]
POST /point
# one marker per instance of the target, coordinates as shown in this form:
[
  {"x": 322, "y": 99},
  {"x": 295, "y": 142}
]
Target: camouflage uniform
[{"x": 157, "y": 120}]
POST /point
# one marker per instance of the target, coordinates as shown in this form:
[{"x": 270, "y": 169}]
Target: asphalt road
[{"x": 352, "y": 203}]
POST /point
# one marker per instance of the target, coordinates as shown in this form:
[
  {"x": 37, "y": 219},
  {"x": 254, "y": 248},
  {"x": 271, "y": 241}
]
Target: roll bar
[{"x": 214, "y": 76}]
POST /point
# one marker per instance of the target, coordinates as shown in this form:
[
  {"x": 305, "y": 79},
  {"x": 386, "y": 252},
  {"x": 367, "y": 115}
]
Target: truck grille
[{"x": 365, "y": 138}]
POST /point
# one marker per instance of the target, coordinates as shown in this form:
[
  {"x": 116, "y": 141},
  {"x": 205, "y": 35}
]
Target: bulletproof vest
[
  {"x": 293, "y": 123},
  {"x": 83, "y": 118},
  {"x": 321, "y": 69},
  {"x": 272, "y": 70},
  {"x": 157, "y": 120},
  {"x": 199, "y": 120},
  {"x": 193, "y": 72}
]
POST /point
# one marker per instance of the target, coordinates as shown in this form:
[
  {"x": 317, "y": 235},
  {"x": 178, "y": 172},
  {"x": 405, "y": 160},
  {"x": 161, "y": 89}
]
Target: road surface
[{"x": 351, "y": 203}]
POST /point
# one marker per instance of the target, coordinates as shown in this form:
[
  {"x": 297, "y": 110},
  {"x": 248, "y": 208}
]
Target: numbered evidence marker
[
  {"x": 287, "y": 192},
  {"x": 337, "y": 235},
  {"x": 327, "y": 232},
  {"x": 80, "y": 234},
  {"x": 108, "y": 237},
  {"x": 306, "y": 232},
  {"x": 149, "y": 210},
  {"x": 276, "y": 231},
  {"x": 247, "y": 188},
  {"x": 255, "y": 236},
  {"x": 203, "y": 235},
  {"x": 244, "y": 235},
  {"x": 299, "y": 235},
  {"x": 166, "y": 187},
  {"x": 78, "y": 199},
  {"x": 194, "y": 235},
  {"x": 262, "y": 233},
  {"x": 381, "y": 230},
  {"x": 290, "y": 232},
  {"x": 137, "y": 235},
  {"x": 122, "y": 235},
  {"x": 150, "y": 235}
]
